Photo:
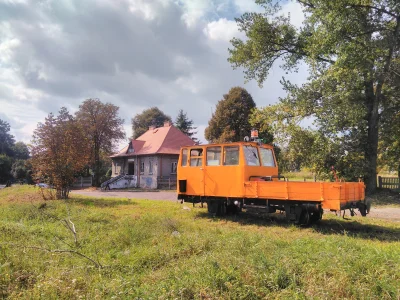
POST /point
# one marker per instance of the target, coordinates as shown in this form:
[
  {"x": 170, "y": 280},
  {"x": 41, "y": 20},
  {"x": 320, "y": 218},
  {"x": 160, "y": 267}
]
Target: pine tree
[{"x": 184, "y": 124}]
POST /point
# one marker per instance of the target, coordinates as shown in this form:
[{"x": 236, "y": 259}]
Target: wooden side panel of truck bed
[{"x": 332, "y": 195}]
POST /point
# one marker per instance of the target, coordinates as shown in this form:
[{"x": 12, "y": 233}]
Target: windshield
[
  {"x": 267, "y": 158},
  {"x": 251, "y": 154}
]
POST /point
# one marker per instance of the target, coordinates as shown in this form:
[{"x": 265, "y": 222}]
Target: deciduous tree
[
  {"x": 103, "y": 130},
  {"x": 149, "y": 117},
  {"x": 350, "y": 47},
  {"x": 184, "y": 124},
  {"x": 59, "y": 151},
  {"x": 6, "y": 139},
  {"x": 5, "y": 167},
  {"x": 231, "y": 120},
  {"x": 20, "y": 151},
  {"x": 22, "y": 170}
]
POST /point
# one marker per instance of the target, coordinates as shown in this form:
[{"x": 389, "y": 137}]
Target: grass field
[{"x": 129, "y": 248}]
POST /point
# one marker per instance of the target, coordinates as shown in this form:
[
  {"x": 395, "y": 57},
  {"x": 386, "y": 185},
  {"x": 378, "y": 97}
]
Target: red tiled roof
[{"x": 161, "y": 140}]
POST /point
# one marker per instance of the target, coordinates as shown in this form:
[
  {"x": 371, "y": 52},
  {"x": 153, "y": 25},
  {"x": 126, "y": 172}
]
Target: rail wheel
[
  {"x": 221, "y": 211},
  {"x": 316, "y": 216},
  {"x": 363, "y": 210},
  {"x": 305, "y": 218},
  {"x": 216, "y": 207}
]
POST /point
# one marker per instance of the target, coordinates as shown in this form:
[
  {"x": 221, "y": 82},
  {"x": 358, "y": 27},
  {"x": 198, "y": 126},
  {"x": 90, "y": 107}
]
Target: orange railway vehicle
[{"x": 231, "y": 177}]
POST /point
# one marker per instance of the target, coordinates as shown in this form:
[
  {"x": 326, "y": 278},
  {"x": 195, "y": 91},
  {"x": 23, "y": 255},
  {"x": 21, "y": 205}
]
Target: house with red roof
[{"x": 150, "y": 158}]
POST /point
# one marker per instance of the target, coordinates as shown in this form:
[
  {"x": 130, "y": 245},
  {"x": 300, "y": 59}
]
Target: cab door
[
  {"x": 222, "y": 171},
  {"x": 195, "y": 172}
]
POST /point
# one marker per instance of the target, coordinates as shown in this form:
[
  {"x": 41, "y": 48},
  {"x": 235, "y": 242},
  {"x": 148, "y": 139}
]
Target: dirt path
[
  {"x": 162, "y": 195},
  {"x": 388, "y": 213}
]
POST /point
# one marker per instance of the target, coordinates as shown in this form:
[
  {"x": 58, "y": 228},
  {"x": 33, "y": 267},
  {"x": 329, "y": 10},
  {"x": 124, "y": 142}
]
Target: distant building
[{"x": 151, "y": 158}]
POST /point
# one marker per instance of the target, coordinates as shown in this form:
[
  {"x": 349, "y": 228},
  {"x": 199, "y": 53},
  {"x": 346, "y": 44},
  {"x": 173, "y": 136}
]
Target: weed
[{"x": 245, "y": 257}]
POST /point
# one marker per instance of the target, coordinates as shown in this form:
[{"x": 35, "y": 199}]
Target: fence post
[
  {"x": 169, "y": 183},
  {"x": 380, "y": 182},
  {"x": 81, "y": 182}
]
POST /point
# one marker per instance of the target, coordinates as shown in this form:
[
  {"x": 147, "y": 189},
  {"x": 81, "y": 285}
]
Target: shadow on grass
[
  {"x": 357, "y": 229},
  {"x": 352, "y": 228},
  {"x": 103, "y": 202}
]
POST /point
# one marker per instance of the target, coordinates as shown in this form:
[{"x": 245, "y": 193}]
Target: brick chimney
[{"x": 167, "y": 124}]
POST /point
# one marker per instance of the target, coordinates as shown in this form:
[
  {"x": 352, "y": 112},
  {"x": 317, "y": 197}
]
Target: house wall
[
  {"x": 166, "y": 165},
  {"x": 121, "y": 166},
  {"x": 118, "y": 167},
  {"x": 148, "y": 180}
]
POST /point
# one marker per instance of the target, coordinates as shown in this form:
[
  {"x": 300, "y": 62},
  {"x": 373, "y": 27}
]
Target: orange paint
[{"x": 249, "y": 170}]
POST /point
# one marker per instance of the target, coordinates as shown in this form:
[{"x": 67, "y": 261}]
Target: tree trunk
[
  {"x": 96, "y": 164},
  {"x": 371, "y": 148},
  {"x": 371, "y": 154}
]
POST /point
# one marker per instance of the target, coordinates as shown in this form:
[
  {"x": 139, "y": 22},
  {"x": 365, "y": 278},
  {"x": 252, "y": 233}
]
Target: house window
[
  {"x": 116, "y": 167},
  {"x": 150, "y": 167},
  {"x": 173, "y": 167},
  {"x": 142, "y": 167}
]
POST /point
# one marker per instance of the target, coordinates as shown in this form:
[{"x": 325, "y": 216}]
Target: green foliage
[
  {"x": 351, "y": 49},
  {"x": 149, "y": 117},
  {"x": 5, "y": 167},
  {"x": 6, "y": 139},
  {"x": 11, "y": 154},
  {"x": 103, "y": 129},
  {"x": 184, "y": 124},
  {"x": 141, "y": 256},
  {"x": 231, "y": 120},
  {"x": 22, "y": 170},
  {"x": 20, "y": 151}
]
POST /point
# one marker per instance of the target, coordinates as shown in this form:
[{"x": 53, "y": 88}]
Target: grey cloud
[
  {"x": 92, "y": 49},
  {"x": 14, "y": 124},
  {"x": 98, "y": 42}
]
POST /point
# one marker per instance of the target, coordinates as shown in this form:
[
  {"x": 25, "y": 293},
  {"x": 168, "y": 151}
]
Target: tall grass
[{"x": 156, "y": 249}]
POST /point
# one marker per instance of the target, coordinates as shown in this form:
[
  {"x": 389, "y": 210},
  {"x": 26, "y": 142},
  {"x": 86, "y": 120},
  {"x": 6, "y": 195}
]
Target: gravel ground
[
  {"x": 389, "y": 213},
  {"x": 162, "y": 195}
]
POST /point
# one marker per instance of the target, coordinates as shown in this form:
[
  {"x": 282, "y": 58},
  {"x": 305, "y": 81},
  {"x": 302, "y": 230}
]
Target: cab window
[
  {"x": 184, "y": 157},
  {"x": 213, "y": 156},
  {"x": 251, "y": 155},
  {"x": 267, "y": 158},
  {"x": 231, "y": 155},
  {"x": 196, "y": 157}
]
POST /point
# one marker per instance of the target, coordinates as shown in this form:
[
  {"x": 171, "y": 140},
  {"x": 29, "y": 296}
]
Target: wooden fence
[
  {"x": 392, "y": 183},
  {"x": 82, "y": 182},
  {"x": 168, "y": 183}
]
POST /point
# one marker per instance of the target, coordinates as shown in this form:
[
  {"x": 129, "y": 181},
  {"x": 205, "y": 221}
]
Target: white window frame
[
  {"x": 150, "y": 167},
  {"x": 142, "y": 167},
  {"x": 174, "y": 164}
]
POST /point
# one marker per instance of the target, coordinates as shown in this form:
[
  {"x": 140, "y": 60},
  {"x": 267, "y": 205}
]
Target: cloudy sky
[{"x": 133, "y": 53}]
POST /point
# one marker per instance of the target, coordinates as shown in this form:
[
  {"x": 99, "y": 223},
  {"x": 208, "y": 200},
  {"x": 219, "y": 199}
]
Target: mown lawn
[{"x": 158, "y": 249}]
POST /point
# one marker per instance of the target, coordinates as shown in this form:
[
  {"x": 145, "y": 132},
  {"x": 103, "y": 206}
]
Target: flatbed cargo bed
[{"x": 332, "y": 195}]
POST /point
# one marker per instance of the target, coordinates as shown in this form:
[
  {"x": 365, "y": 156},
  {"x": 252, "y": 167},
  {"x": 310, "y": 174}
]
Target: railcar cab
[{"x": 220, "y": 170}]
